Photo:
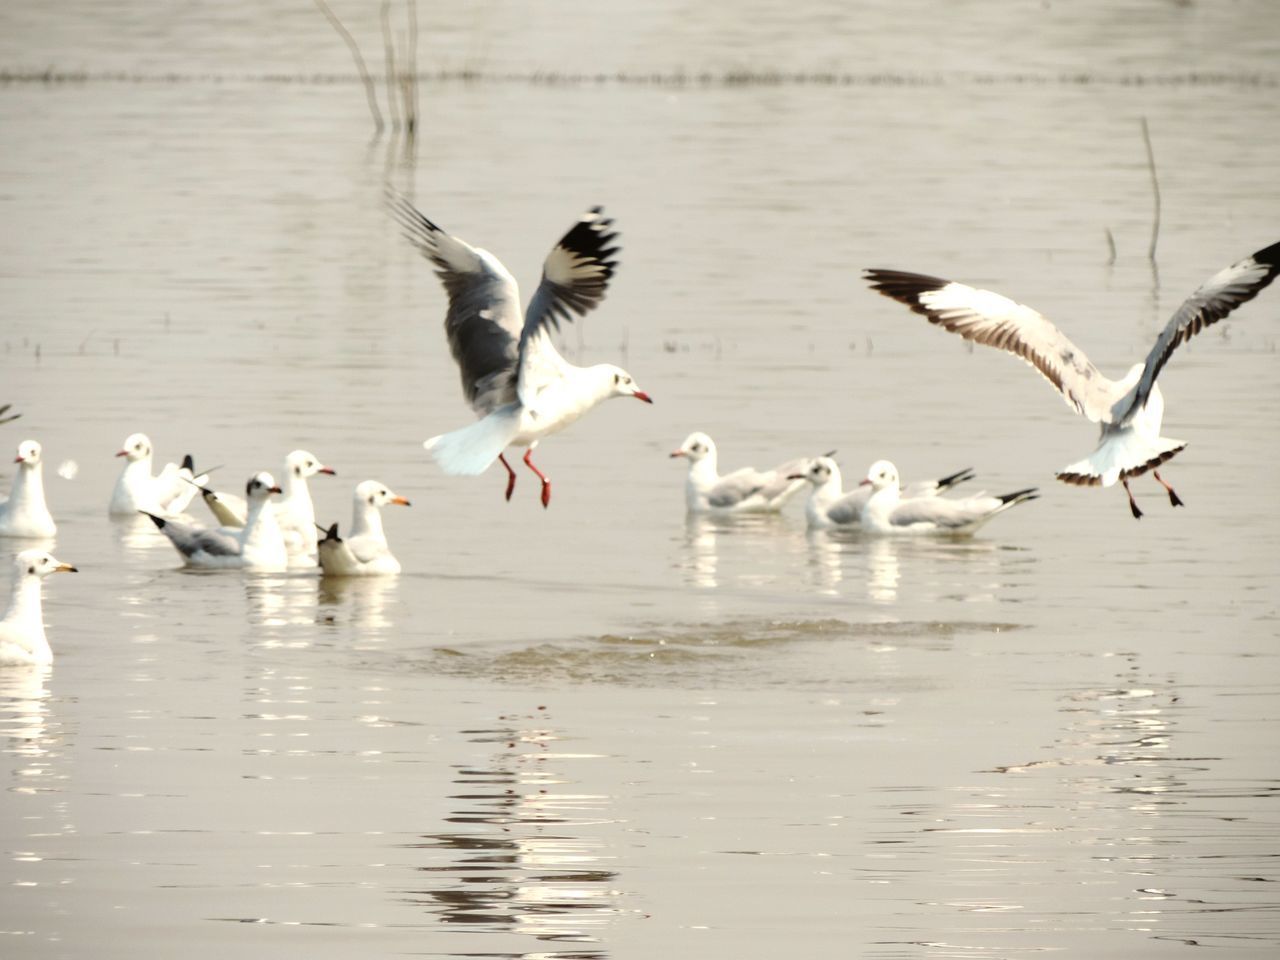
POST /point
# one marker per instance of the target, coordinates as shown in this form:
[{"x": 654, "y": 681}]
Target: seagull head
[
  {"x": 137, "y": 446},
  {"x": 261, "y": 486},
  {"x": 303, "y": 465},
  {"x": 696, "y": 446},
  {"x": 38, "y": 563},
  {"x": 624, "y": 385},
  {"x": 882, "y": 474},
  {"x": 377, "y": 495},
  {"x": 28, "y": 453},
  {"x": 819, "y": 471}
]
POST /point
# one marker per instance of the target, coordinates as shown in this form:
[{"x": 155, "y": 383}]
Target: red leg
[
  {"x": 1173, "y": 497},
  {"x": 546, "y": 484},
  {"x": 511, "y": 476},
  {"x": 1133, "y": 505}
]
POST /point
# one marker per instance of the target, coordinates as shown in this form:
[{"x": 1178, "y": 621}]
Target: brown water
[{"x": 602, "y": 730}]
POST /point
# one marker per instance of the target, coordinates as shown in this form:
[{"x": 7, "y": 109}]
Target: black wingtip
[
  {"x": 1269, "y": 255},
  {"x": 331, "y": 535},
  {"x": 188, "y": 463},
  {"x": 158, "y": 521},
  {"x": 1029, "y": 493},
  {"x": 960, "y": 476}
]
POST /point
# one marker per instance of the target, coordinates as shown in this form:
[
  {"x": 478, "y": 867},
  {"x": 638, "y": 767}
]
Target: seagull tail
[
  {"x": 1119, "y": 456},
  {"x": 472, "y": 449}
]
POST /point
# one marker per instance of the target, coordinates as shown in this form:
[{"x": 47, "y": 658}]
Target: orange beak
[
  {"x": 65, "y": 568},
  {"x": 275, "y": 490},
  {"x": 678, "y": 453},
  {"x": 402, "y": 501}
]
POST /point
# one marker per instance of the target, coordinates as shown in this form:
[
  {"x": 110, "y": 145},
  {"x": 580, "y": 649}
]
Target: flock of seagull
[{"x": 522, "y": 390}]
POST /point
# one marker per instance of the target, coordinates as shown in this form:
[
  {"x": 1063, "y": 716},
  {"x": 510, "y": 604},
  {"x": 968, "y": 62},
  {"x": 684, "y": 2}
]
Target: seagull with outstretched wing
[
  {"x": 516, "y": 381},
  {"x": 1129, "y": 410}
]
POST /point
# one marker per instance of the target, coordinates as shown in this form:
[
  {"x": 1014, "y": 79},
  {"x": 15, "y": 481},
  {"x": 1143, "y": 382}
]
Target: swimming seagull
[
  {"x": 745, "y": 490},
  {"x": 295, "y": 512},
  {"x": 258, "y": 545},
  {"x": 887, "y": 511},
  {"x": 513, "y": 377},
  {"x": 137, "y": 491},
  {"x": 364, "y": 552},
  {"x": 25, "y": 513},
  {"x": 830, "y": 508},
  {"x": 1128, "y": 410},
  {"x": 22, "y": 638}
]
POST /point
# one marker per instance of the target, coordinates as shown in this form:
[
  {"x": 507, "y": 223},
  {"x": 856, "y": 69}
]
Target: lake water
[{"x": 603, "y": 730}]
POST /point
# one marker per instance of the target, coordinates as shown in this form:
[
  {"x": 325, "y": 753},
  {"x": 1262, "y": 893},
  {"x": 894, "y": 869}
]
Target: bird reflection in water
[
  {"x": 701, "y": 561},
  {"x": 360, "y": 601},
  {"x": 522, "y": 858},
  {"x": 24, "y": 716}
]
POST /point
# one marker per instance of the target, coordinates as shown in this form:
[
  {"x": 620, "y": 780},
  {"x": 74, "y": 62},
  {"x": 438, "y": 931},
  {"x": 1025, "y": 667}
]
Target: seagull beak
[
  {"x": 17, "y": 460},
  {"x": 865, "y": 483},
  {"x": 329, "y": 470},
  {"x": 796, "y": 476},
  {"x": 123, "y": 453},
  {"x": 275, "y": 490},
  {"x": 65, "y": 568},
  {"x": 678, "y": 453},
  {"x": 641, "y": 395},
  {"x": 402, "y": 501}
]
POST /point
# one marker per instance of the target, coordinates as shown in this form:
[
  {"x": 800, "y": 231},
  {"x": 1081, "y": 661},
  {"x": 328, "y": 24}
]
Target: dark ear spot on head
[
  {"x": 31, "y": 569},
  {"x": 617, "y": 378},
  {"x": 371, "y": 501}
]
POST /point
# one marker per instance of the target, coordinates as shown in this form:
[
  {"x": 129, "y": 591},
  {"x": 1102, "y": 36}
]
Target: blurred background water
[{"x": 603, "y": 730}]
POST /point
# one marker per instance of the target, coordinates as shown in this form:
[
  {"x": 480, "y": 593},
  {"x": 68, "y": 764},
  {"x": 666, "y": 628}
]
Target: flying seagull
[
  {"x": 514, "y": 378},
  {"x": 1128, "y": 410}
]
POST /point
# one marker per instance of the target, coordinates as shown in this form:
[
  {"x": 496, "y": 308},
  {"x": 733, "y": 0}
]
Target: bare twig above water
[
  {"x": 389, "y": 54},
  {"x": 1111, "y": 247},
  {"x": 411, "y": 115},
  {"x": 370, "y": 93},
  {"x": 1155, "y": 189},
  {"x": 4, "y": 409}
]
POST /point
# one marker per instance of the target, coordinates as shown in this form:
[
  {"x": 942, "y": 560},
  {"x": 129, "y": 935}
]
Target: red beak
[
  {"x": 275, "y": 490},
  {"x": 123, "y": 453},
  {"x": 17, "y": 460},
  {"x": 677, "y": 453},
  {"x": 865, "y": 483},
  {"x": 329, "y": 470},
  {"x": 795, "y": 476},
  {"x": 641, "y": 395}
]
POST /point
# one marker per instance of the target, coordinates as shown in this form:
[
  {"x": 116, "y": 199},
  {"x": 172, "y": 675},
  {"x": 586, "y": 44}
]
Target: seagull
[
  {"x": 25, "y": 514},
  {"x": 364, "y": 552},
  {"x": 295, "y": 513},
  {"x": 887, "y": 511},
  {"x": 22, "y": 638},
  {"x": 137, "y": 491},
  {"x": 258, "y": 545},
  {"x": 512, "y": 375},
  {"x": 830, "y": 508},
  {"x": 1128, "y": 410},
  {"x": 744, "y": 491}
]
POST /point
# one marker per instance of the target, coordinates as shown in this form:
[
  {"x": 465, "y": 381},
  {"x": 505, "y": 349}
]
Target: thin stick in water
[
  {"x": 1111, "y": 247},
  {"x": 1155, "y": 189},
  {"x": 393, "y": 103},
  {"x": 369, "y": 90}
]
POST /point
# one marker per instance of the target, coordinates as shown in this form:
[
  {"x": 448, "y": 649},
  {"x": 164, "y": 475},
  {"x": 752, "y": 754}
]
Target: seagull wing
[
  {"x": 988, "y": 318},
  {"x": 734, "y": 488},
  {"x": 575, "y": 276},
  {"x": 483, "y": 323},
  {"x": 1215, "y": 299}
]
